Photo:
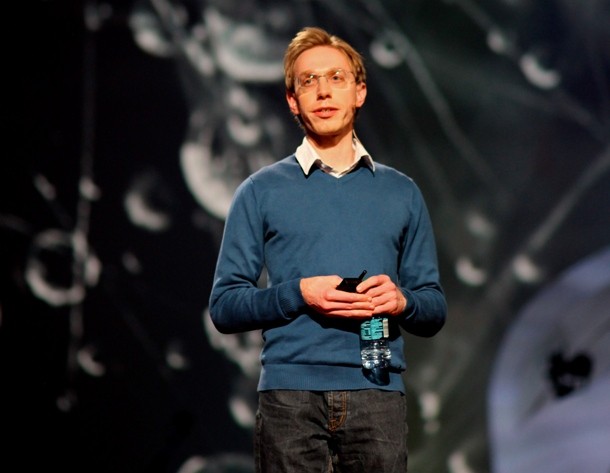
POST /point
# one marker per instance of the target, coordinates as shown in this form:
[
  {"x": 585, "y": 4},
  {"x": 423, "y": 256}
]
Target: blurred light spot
[
  {"x": 148, "y": 36},
  {"x": 430, "y": 405},
  {"x": 15, "y": 224},
  {"x": 200, "y": 33},
  {"x": 66, "y": 402},
  {"x": 230, "y": 462},
  {"x": 96, "y": 14},
  {"x": 384, "y": 52},
  {"x": 479, "y": 225},
  {"x": 85, "y": 358},
  {"x": 174, "y": 357},
  {"x": 180, "y": 15},
  {"x": 89, "y": 189},
  {"x": 141, "y": 212},
  {"x": 537, "y": 74},
  {"x": 242, "y": 348},
  {"x": 428, "y": 371},
  {"x": 498, "y": 42},
  {"x": 242, "y": 413},
  {"x": 457, "y": 463},
  {"x": 244, "y": 52},
  {"x": 46, "y": 189},
  {"x": 207, "y": 178},
  {"x": 278, "y": 16},
  {"x": 49, "y": 268},
  {"x": 468, "y": 273},
  {"x": 131, "y": 263},
  {"x": 195, "y": 464},
  {"x": 199, "y": 56},
  {"x": 518, "y": 3},
  {"x": 244, "y": 133},
  {"x": 47, "y": 291},
  {"x": 526, "y": 270},
  {"x": 240, "y": 100}
]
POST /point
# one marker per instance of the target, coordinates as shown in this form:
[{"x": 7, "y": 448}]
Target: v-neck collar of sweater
[{"x": 308, "y": 158}]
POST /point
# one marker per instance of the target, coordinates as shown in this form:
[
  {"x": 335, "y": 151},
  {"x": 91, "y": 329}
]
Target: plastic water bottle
[{"x": 374, "y": 345}]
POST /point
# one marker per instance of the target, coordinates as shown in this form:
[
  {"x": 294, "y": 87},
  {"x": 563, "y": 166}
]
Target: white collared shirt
[{"x": 307, "y": 157}]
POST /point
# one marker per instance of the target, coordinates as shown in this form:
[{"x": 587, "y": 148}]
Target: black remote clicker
[{"x": 350, "y": 284}]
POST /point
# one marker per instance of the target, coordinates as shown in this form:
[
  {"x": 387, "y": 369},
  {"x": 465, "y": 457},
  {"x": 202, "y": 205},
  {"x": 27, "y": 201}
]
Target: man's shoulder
[
  {"x": 280, "y": 169},
  {"x": 390, "y": 172}
]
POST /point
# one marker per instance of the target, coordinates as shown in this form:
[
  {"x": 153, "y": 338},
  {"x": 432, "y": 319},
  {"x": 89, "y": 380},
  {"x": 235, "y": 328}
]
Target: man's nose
[{"x": 323, "y": 88}]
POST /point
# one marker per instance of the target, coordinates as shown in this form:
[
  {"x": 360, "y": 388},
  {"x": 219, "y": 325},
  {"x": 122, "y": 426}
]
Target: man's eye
[
  {"x": 309, "y": 80},
  {"x": 339, "y": 76}
]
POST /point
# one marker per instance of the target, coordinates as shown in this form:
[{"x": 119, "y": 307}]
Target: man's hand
[
  {"x": 376, "y": 295},
  {"x": 321, "y": 294},
  {"x": 386, "y": 296}
]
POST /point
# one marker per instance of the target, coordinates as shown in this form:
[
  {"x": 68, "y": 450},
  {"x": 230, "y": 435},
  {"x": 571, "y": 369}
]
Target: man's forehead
[{"x": 321, "y": 58}]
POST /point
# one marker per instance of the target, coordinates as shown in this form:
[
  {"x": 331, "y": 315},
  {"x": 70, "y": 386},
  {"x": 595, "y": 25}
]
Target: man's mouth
[{"x": 325, "y": 112}]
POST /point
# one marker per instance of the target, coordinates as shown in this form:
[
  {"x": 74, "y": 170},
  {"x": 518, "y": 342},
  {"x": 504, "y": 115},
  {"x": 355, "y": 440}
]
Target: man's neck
[{"x": 336, "y": 152}]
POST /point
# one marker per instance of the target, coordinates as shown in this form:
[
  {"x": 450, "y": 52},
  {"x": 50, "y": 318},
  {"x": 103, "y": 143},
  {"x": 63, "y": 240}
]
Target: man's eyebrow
[{"x": 312, "y": 71}]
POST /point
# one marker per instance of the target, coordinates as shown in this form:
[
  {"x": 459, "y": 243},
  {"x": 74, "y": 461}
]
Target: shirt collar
[{"x": 307, "y": 158}]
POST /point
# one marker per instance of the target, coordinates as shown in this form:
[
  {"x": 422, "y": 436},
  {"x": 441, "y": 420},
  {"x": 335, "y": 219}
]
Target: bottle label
[{"x": 374, "y": 329}]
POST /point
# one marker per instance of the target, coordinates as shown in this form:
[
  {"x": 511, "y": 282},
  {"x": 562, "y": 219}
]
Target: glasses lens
[
  {"x": 308, "y": 80},
  {"x": 336, "y": 78}
]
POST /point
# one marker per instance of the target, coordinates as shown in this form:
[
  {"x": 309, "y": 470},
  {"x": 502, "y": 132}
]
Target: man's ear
[
  {"x": 360, "y": 94},
  {"x": 292, "y": 102}
]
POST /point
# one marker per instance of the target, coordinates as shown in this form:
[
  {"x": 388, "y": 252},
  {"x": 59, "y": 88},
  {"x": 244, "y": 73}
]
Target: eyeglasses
[{"x": 336, "y": 78}]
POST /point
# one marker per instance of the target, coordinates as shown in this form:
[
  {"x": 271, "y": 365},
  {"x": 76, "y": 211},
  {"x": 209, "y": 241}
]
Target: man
[{"x": 327, "y": 212}]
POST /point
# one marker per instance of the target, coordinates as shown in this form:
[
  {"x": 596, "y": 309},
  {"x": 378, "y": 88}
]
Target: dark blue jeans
[{"x": 338, "y": 431}]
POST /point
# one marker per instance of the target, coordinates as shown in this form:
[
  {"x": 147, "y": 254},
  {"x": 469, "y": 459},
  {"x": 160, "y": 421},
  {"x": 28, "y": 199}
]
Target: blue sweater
[{"x": 298, "y": 226}]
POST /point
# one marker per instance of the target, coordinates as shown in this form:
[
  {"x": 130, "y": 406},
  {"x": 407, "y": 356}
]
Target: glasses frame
[{"x": 315, "y": 78}]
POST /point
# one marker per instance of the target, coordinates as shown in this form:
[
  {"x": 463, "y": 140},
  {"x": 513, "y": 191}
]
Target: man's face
[{"x": 327, "y": 111}]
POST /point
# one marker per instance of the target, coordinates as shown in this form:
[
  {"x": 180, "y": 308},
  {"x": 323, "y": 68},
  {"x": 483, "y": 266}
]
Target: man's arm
[
  {"x": 237, "y": 304},
  {"x": 426, "y": 309}
]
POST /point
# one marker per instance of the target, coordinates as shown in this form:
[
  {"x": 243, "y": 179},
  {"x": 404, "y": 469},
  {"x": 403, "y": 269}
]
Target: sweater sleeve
[
  {"x": 237, "y": 304},
  {"x": 426, "y": 309}
]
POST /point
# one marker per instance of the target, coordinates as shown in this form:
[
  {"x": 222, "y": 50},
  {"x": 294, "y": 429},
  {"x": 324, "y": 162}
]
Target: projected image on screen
[{"x": 548, "y": 401}]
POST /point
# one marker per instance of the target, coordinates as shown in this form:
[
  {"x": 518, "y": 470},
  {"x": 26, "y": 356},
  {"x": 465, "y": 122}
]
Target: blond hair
[{"x": 312, "y": 37}]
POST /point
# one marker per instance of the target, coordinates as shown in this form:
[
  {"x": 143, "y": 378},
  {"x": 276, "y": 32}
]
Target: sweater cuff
[
  {"x": 411, "y": 304},
  {"x": 290, "y": 298}
]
